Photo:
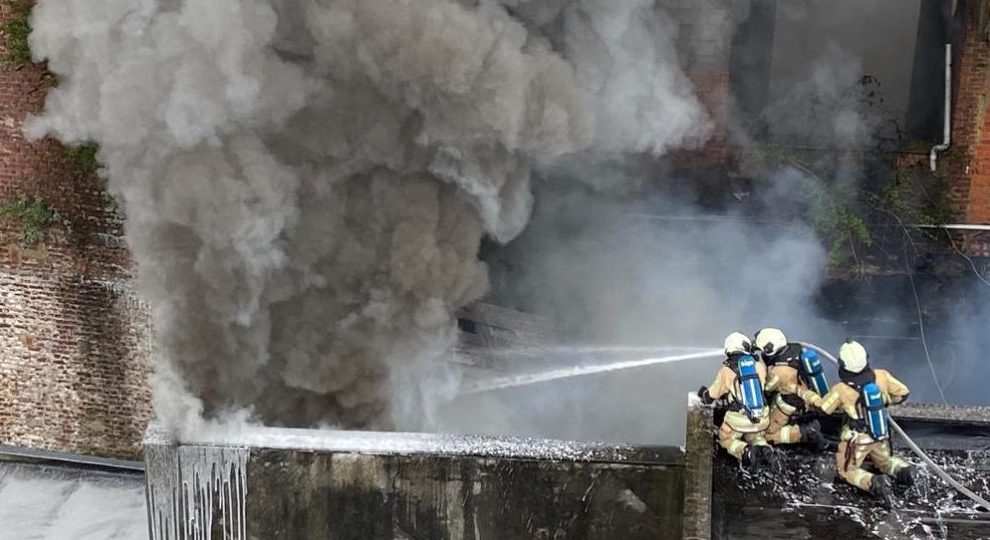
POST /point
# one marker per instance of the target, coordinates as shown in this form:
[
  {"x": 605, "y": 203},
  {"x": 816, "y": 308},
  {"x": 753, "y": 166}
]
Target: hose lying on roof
[{"x": 982, "y": 503}]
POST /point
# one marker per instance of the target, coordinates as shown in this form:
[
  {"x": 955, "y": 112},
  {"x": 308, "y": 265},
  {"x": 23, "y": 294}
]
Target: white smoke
[{"x": 306, "y": 183}]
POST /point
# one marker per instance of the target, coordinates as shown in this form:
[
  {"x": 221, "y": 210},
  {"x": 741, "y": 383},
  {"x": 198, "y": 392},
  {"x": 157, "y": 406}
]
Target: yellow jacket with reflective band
[
  {"x": 846, "y": 397},
  {"x": 785, "y": 380}
]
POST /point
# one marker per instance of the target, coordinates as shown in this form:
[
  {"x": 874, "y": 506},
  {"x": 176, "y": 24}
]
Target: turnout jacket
[
  {"x": 785, "y": 380},
  {"x": 845, "y": 397}
]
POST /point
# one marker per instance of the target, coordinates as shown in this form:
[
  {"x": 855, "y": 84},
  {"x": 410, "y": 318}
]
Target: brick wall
[
  {"x": 73, "y": 338},
  {"x": 968, "y": 161},
  {"x": 974, "y": 244}
]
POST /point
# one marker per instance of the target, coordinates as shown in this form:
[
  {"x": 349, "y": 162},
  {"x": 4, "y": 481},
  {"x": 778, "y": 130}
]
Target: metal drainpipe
[{"x": 947, "y": 112}]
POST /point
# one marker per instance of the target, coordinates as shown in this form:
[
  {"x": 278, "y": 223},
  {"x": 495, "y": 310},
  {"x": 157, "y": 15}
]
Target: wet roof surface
[
  {"x": 46, "y": 502},
  {"x": 807, "y": 501}
]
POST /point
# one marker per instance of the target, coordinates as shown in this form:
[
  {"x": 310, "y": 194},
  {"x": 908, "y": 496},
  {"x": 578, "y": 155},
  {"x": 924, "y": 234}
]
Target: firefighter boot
[
  {"x": 811, "y": 434},
  {"x": 750, "y": 457},
  {"x": 756, "y": 456},
  {"x": 880, "y": 489},
  {"x": 905, "y": 476}
]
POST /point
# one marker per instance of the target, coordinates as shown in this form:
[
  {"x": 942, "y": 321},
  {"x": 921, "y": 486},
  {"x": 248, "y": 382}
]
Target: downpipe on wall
[{"x": 946, "y": 112}]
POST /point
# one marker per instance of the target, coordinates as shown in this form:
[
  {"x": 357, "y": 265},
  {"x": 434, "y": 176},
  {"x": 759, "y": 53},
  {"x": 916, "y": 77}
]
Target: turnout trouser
[
  {"x": 780, "y": 430},
  {"x": 737, "y": 432},
  {"x": 853, "y": 452}
]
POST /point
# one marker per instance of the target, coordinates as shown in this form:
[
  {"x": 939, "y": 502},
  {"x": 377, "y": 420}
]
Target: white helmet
[
  {"x": 853, "y": 356},
  {"x": 737, "y": 342},
  {"x": 771, "y": 341}
]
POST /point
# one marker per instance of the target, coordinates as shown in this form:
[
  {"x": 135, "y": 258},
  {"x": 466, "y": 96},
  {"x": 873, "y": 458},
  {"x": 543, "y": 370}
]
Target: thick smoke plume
[{"x": 306, "y": 183}]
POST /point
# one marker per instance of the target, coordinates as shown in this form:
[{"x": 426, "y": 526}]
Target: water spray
[
  {"x": 982, "y": 504},
  {"x": 577, "y": 371},
  {"x": 596, "y": 349}
]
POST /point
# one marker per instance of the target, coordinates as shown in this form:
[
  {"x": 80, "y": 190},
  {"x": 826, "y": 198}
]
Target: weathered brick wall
[
  {"x": 975, "y": 244},
  {"x": 967, "y": 164},
  {"x": 73, "y": 339}
]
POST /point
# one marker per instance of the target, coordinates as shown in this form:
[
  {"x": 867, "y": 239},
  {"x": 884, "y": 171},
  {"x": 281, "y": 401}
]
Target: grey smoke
[
  {"x": 306, "y": 183},
  {"x": 647, "y": 268},
  {"x": 626, "y": 256},
  {"x": 683, "y": 279},
  {"x": 830, "y": 106}
]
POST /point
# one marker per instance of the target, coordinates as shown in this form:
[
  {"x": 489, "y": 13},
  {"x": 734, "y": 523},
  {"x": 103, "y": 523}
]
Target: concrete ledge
[
  {"x": 960, "y": 414},
  {"x": 291, "y": 483},
  {"x": 698, "y": 472}
]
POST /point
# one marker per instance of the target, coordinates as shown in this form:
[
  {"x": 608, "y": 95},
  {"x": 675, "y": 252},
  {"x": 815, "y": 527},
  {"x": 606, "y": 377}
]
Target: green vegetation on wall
[
  {"x": 15, "y": 31},
  {"x": 926, "y": 206},
  {"x": 32, "y": 214},
  {"x": 863, "y": 207},
  {"x": 842, "y": 228},
  {"x": 860, "y": 183},
  {"x": 83, "y": 156}
]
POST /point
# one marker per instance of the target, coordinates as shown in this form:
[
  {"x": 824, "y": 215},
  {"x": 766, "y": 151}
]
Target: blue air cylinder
[
  {"x": 874, "y": 411},
  {"x": 812, "y": 372},
  {"x": 751, "y": 390}
]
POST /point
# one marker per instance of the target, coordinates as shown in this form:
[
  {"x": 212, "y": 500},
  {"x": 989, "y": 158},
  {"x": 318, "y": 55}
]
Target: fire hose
[{"x": 982, "y": 504}]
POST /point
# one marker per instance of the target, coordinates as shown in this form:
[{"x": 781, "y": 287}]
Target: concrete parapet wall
[
  {"x": 698, "y": 472},
  {"x": 937, "y": 412},
  {"x": 314, "y": 495},
  {"x": 345, "y": 485}
]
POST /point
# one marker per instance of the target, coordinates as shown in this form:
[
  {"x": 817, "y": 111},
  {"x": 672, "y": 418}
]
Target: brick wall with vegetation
[{"x": 73, "y": 337}]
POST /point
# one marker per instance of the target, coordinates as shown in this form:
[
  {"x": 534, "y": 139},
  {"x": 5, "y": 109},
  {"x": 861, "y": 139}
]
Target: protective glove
[
  {"x": 706, "y": 398},
  {"x": 811, "y": 412}
]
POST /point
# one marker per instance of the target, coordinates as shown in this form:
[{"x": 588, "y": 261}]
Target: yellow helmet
[
  {"x": 853, "y": 356},
  {"x": 771, "y": 341}
]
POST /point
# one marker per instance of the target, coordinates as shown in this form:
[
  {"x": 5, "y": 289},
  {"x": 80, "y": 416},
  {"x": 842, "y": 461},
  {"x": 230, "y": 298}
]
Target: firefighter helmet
[
  {"x": 771, "y": 341},
  {"x": 737, "y": 342},
  {"x": 853, "y": 356}
]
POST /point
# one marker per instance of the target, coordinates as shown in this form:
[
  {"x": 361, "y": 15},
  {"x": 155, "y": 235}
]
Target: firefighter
[
  {"x": 863, "y": 394},
  {"x": 740, "y": 382},
  {"x": 789, "y": 378}
]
